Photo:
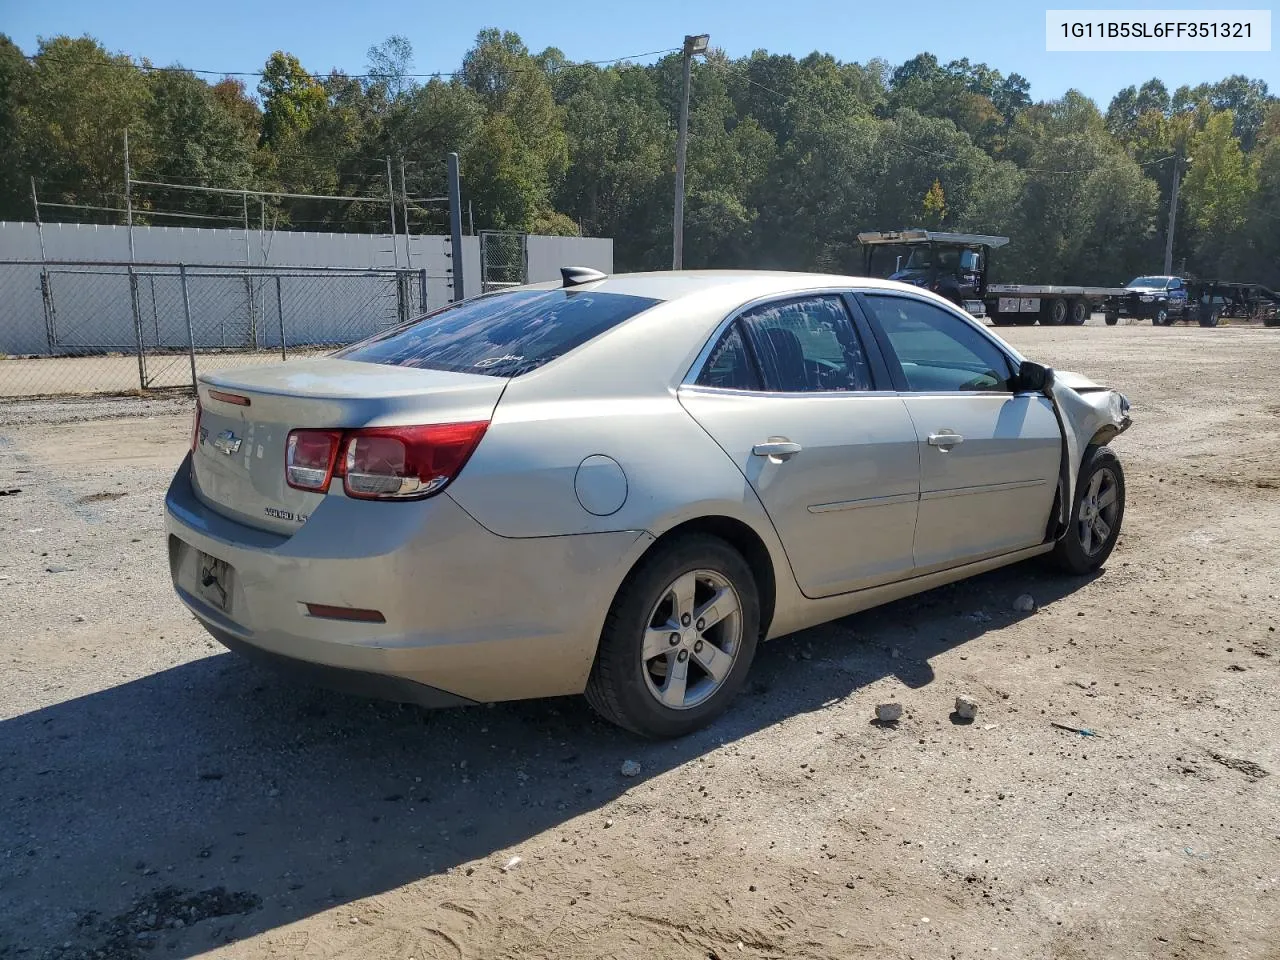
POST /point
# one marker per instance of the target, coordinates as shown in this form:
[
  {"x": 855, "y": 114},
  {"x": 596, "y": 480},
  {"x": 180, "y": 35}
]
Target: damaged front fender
[{"x": 1090, "y": 415}]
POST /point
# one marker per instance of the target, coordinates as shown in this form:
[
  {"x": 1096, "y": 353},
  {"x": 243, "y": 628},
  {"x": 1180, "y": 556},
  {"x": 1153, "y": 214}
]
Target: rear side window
[
  {"x": 729, "y": 367},
  {"x": 808, "y": 345},
  {"x": 503, "y": 334}
]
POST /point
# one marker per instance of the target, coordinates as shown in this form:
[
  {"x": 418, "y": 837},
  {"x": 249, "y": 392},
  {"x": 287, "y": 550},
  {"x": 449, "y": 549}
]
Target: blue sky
[{"x": 240, "y": 34}]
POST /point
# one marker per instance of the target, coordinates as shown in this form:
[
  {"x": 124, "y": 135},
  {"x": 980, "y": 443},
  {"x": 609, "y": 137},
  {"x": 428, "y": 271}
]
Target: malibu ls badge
[{"x": 227, "y": 442}]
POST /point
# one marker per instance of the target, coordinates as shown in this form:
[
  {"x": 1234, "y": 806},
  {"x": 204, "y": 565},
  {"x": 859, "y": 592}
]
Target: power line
[{"x": 128, "y": 64}]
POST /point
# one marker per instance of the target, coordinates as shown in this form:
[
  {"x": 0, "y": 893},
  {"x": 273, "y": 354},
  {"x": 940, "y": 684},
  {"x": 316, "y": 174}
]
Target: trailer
[{"x": 954, "y": 265}]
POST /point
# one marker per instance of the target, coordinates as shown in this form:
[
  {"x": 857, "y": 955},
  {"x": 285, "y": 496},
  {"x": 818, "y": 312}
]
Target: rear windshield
[{"x": 502, "y": 334}]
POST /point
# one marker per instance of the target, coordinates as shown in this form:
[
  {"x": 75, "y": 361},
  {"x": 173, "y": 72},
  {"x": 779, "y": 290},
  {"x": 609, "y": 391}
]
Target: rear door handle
[
  {"x": 776, "y": 449},
  {"x": 945, "y": 439}
]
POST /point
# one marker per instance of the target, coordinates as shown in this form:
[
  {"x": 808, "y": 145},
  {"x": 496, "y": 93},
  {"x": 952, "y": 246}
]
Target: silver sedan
[{"x": 621, "y": 485}]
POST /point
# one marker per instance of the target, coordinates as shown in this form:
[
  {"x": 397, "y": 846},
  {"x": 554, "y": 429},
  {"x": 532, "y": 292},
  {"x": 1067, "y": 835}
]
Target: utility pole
[
  {"x": 692, "y": 45},
  {"x": 1173, "y": 214}
]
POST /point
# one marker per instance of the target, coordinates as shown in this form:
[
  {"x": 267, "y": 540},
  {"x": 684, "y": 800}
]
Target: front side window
[
  {"x": 807, "y": 345},
  {"x": 937, "y": 350},
  {"x": 500, "y": 335}
]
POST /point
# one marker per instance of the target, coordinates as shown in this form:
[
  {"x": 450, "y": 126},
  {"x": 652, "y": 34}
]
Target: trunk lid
[{"x": 238, "y": 465}]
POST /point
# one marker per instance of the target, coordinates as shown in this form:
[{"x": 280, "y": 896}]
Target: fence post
[
  {"x": 186, "y": 312},
  {"x": 280, "y": 317},
  {"x": 422, "y": 291},
  {"x": 46, "y": 298},
  {"x": 455, "y": 225},
  {"x": 155, "y": 311},
  {"x": 253, "y": 319},
  {"x": 137, "y": 328}
]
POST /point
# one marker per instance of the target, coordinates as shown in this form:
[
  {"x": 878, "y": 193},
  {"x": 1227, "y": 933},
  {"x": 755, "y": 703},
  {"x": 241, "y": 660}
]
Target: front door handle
[
  {"x": 776, "y": 449},
  {"x": 946, "y": 439}
]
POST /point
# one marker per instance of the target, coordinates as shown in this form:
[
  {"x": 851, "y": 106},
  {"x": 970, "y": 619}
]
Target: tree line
[{"x": 789, "y": 158}]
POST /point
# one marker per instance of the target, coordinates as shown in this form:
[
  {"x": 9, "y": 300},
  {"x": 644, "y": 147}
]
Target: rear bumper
[
  {"x": 470, "y": 616},
  {"x": 377, "y": 686}
]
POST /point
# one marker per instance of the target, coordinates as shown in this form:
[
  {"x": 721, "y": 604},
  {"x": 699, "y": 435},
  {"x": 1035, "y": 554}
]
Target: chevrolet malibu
[{"x": 621, "y": 485}]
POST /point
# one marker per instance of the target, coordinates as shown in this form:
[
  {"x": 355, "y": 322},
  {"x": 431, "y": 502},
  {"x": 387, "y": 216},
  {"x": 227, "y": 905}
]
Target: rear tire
[
  {"x": 1079, "y": 312},
  {"x": 659, "y": 687},
  {"x": 1209, "y": 317},
  {"x": 1096, "y": 515},
  {"x": 1054, "y": 313},
  {"x": 1111, "y": 319}
]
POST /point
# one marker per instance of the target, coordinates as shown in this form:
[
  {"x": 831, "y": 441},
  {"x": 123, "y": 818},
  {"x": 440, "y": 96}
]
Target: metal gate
[
  {"x": 504, "y": 259},
  {"x": 70, "y": 327}
]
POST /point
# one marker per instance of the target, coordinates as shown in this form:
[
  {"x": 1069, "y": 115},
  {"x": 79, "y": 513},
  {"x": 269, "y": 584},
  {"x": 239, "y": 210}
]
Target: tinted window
[
  {"x": 937, "y": 350},
  {"x": 729, "y": 367},
  {"x": 807, "y": 345},
  {"x": 503, "y": 335}
]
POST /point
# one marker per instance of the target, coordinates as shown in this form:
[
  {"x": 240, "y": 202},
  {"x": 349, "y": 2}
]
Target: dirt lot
[{"x": 160, "y": 798}]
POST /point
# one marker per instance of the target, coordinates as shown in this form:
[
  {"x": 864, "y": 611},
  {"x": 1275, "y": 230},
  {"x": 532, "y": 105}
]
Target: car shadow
[{"x": 213, "y": 801}]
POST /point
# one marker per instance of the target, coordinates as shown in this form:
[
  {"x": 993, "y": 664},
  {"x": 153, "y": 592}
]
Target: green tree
[
  {"x": 15, "y": 198},
  {"x": 292, "y": 99},
  {"x": 520, "y": 154},
  {"x": 1219, "y": 190},
  {"x": 390, "y": 63},
  {"x": 192, "y": 138},
  {"x": 80, "y": 100}
]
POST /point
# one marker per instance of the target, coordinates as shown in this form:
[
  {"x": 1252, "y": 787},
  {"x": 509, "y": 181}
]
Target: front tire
[
  {"x": 678, "y": 640},
  {"x": 1096, "y": 515},
  {"x": 1111, "y": 319},
  {"x": 1161, "y": 318}
]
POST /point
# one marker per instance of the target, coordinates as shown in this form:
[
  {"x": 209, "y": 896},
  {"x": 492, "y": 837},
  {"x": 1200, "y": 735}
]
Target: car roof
[{"x": 748, "y": 284}]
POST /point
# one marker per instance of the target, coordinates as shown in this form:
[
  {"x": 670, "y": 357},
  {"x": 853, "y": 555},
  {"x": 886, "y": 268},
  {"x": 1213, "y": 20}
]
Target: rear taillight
[
  {"x": 195, "y": 428},
  {"x": 309, "y": 458},
  {"x": 382, "y": 463},
  {"x": 397, "y": 463}
]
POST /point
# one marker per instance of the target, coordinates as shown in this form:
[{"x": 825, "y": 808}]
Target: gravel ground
[{"x": 160, "y": 798}]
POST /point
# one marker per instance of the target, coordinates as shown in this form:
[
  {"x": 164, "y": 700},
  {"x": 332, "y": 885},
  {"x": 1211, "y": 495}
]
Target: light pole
[{"x": 692, "y": 46}]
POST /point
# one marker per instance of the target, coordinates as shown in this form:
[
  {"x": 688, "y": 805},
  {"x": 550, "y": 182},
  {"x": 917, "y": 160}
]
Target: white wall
[{"x": 100, "y": 306}]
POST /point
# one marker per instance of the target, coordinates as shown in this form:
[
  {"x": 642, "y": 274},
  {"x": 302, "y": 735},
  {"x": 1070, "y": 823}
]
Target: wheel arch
[
  {"x": 743, "y": 538},
  {"x": 1104, "y": 435}
]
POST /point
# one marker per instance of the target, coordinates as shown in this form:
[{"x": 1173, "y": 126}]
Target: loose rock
[
  {"x": 889, "y": 712},
  {"x": 966, "y": 707},
  {"x": 629, "y": 768},
  {"x": 1025, "y": 604}
]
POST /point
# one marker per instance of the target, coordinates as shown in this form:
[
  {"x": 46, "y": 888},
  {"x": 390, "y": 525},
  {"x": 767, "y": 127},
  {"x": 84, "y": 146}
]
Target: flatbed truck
[{"x": 954, "y": 265}]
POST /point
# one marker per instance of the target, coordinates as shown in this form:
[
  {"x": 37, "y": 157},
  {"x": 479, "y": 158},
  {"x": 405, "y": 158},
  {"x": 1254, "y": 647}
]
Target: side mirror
[{"x": 1035, "y": 377}]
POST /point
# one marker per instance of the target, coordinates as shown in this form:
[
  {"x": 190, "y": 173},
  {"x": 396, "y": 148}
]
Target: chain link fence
[
  {"x": 504, "y": 260},
  {"x": 75, "y": 328}
]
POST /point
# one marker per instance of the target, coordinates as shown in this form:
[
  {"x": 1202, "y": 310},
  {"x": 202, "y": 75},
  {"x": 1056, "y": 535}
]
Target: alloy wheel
[
  {"x": 1098, "y": 507},
  {"x": 692, "y": 639}
]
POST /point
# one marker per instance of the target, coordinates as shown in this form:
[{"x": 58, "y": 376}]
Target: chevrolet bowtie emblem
[{"x": 227, "y": 442}]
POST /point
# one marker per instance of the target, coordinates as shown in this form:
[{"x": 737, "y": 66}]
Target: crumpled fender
[{"x": 1088, "y": 413}]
